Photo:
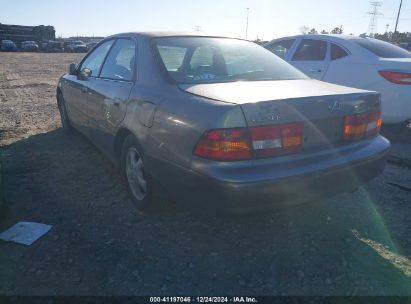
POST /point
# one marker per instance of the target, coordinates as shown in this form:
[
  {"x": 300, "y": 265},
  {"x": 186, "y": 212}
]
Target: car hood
[{"x": 241, "y": 92}]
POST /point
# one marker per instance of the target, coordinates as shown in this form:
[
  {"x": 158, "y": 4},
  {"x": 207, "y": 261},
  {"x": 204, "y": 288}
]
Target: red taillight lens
[
  {"x": 361, "y": 125},
  {"x": 241, "y": 143},
  {"x": 229, "y": 144},
  {"x": 275, "y": 140},
  {"x": 396, "y": 77}
]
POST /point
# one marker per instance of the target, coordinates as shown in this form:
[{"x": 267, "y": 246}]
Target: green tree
[
  {"x": 337, "y": 30},
  {"x": 313, "y": 31},
  {"x": 394, "y": 37}
]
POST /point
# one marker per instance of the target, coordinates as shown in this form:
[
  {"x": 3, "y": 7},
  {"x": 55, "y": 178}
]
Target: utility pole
[
  {"x": 246, "y": 27},
  {"x": 398, "y": 17},
  {"x": 197, "y": 28},
  {"x": 386, "y": 27},
  {"x": 374, "y": 14}
]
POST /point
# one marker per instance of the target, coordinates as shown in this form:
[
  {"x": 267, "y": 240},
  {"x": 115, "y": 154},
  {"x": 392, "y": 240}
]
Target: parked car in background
[
  {"x": 220, "y": 120},
  {"x": 29, "y": 46},
  {"x": 260, "y": 42},
  {"x": 54, "y": 47},
  {"x": 43, "y": 46},
  {"x": 406, "y": 46},
  {"x": 8, "y": 46},
  {"x": 91, "y": 45},
  {"x": 66, "y": 46},
  {"x": 77, "y": 47},
  {"x": 363, "y": 63}
]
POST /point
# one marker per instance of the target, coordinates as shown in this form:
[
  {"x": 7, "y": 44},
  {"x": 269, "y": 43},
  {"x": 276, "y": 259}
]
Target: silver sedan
[{"x": 220, "y": 121}]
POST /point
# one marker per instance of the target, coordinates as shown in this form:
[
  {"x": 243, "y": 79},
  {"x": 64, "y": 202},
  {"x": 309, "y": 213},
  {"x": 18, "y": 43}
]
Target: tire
[
  {"x": 139, "y": 182},
  {"x": 65, "y": 120}
]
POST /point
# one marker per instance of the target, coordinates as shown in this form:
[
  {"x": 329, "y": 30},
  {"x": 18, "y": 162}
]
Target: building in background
[{"x": 20, "y": 33}]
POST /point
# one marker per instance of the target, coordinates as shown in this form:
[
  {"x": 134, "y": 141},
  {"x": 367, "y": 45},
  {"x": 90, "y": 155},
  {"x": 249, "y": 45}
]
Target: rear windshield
[
  {"x": 213, "y": 60},
  {"x": 383, "y": 49}
]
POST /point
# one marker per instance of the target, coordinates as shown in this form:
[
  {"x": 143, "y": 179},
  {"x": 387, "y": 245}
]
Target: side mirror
[{"x": 73, "y": 69}]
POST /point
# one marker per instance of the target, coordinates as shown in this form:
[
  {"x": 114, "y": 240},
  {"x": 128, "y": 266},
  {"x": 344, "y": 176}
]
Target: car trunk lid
[
  {"x": 402, "y": 64},
  {"x": 321, "y": 106}
]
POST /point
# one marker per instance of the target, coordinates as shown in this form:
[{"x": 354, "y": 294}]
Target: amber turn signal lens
[{"x": 361, "y": 125}]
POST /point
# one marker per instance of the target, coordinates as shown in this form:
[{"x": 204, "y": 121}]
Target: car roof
[
  {"x": 334, "y": 37},
  {"x": 158, "y": 34}
]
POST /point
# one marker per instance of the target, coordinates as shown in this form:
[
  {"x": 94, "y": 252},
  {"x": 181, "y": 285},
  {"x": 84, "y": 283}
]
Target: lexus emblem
[{"x": 335, "y": 106}]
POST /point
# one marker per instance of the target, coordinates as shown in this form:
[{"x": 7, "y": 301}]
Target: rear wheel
[
  {"x": 139, "y": 182},
  {"x": 65, "y": 121}
]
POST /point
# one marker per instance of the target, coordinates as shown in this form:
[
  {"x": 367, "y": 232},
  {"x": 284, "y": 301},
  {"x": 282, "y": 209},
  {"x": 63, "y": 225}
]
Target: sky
[{"x": 268, "y": 19}]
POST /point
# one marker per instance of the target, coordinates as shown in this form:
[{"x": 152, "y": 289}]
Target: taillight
[
  {"x": 275, "y": 140},
  {"x": 396, "y": 77},
  {"x": 224, "y": 144},
  {"x": 243, "y": 143},
  {"x": 361, "y": 125}
]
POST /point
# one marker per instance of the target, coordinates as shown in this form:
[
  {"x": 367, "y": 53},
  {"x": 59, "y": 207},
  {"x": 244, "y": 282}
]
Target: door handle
[
  {"x": 84, "y": 89},
  {"x": 315, "y": 70}
]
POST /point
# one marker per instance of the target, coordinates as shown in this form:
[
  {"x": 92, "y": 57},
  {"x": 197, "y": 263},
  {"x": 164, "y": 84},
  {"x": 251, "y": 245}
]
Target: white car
[{"x": 364, "y": 63}]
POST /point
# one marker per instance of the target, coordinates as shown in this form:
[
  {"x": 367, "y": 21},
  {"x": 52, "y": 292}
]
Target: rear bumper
[
  {"x": 302, "y": 188},
  {"x": 286, "y": 180},
  {"x": 396, "y": 103}
]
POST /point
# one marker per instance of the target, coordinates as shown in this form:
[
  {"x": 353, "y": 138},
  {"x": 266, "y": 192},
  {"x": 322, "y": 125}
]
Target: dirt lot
[{"x": 352, "y": 244}]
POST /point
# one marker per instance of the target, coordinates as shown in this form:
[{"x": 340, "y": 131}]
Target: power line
[
  {"x": 374, "y": 14},
  {"x": 398, "y": 17},
  {"x": 246, "y": 27}
]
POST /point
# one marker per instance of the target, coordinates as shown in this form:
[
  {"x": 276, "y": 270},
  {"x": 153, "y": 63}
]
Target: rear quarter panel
[
  {"x": 167, "y": 121},
  {"x": 181, "y": 120}
]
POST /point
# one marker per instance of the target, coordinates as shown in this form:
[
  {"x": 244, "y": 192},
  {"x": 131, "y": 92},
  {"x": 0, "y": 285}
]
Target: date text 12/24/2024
[{"x": 203, "y": 300}]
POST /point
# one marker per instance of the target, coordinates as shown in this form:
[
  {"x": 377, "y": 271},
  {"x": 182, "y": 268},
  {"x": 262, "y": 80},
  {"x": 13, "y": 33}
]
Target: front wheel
[{"x": 65, "y": 120}]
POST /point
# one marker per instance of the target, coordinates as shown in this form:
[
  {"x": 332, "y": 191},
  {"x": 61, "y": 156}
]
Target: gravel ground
[{"x": 352, "y": 244}]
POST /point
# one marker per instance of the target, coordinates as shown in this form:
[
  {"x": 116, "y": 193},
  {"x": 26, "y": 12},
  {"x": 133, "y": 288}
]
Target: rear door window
[
  {"x": 337, "y": 52},
  {"x": 311, "y": 50},
  {"x": 120, "y": 62},
  {"x": 281, "y": 48}
]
